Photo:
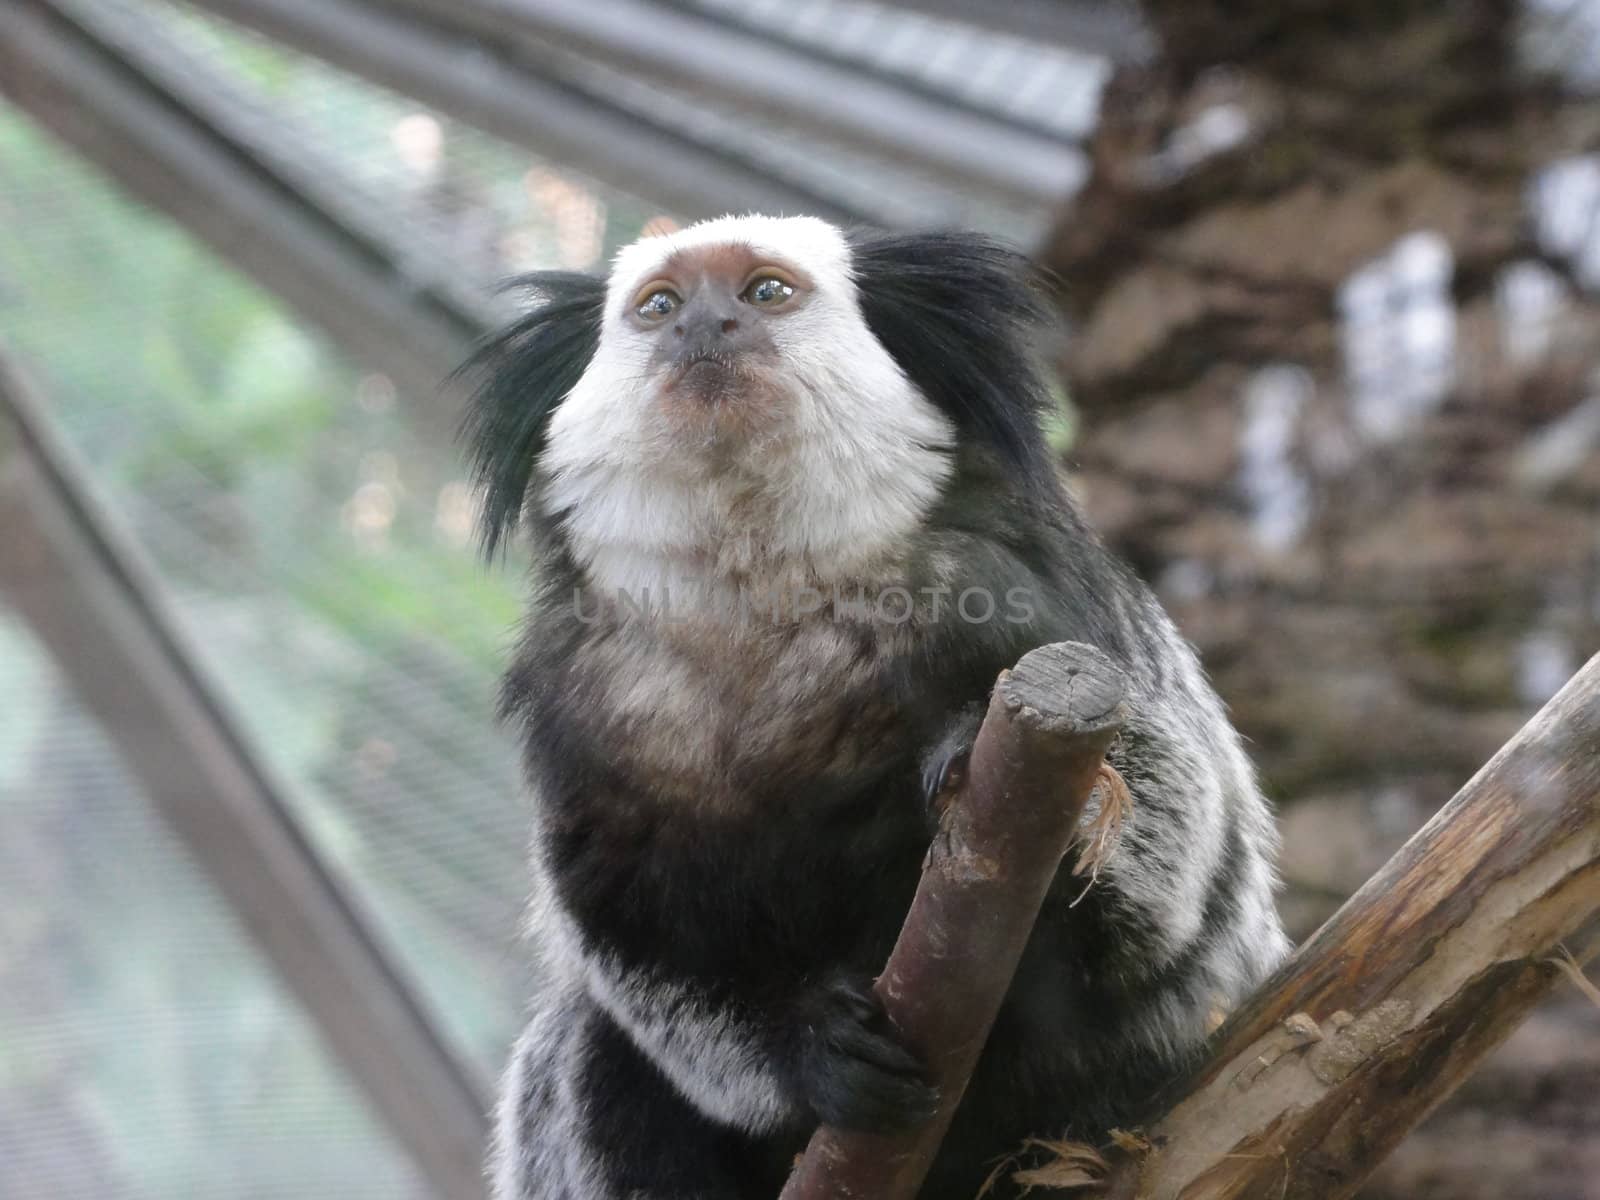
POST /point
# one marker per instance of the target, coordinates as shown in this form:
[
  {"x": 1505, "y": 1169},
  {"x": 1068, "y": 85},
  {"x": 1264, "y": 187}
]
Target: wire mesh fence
[{"x": 147, "y": 1049}]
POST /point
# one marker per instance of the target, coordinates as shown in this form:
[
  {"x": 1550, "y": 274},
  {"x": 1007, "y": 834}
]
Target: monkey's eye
[
  {"x": 768, "y": 292},
  {"x": 658, "y": 305}
]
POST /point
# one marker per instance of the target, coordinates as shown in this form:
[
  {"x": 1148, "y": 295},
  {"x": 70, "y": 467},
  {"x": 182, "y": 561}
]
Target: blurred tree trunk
[{"x": 1336, "y": 333}]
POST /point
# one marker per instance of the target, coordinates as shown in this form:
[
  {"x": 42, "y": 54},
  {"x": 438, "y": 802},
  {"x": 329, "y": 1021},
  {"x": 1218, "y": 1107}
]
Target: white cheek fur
[{"x": 854, "y": 460}]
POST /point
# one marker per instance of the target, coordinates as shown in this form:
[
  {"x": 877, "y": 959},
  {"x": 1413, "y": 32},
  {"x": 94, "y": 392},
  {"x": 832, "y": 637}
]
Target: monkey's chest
[
  {"x": 742, "y": 802},
  {"x": 724, "y": 720}
]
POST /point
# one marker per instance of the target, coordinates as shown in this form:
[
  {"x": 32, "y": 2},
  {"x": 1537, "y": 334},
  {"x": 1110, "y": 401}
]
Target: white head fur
[{"x": 842, "y": 461}]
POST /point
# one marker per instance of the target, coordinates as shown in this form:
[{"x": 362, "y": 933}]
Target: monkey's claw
[{"x": 854, "y": 1071}]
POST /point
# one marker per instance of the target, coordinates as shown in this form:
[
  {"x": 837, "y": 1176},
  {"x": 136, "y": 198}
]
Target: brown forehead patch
[{"x": 732, "y": 261}]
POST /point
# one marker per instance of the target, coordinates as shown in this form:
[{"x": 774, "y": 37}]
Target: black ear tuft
[
  {"x": 959, "y": 312},
  {"x": 519, "y": 376}
]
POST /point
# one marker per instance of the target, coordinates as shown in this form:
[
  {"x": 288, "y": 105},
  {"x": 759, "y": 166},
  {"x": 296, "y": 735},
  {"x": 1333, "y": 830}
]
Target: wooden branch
[
  {"x": 1397, "y": 998},
  {"x": 1001, "y": 839}
]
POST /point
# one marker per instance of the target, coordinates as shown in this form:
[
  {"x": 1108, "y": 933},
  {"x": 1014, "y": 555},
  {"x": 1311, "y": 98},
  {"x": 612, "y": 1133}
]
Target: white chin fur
[{"x": 853, "y": 460}]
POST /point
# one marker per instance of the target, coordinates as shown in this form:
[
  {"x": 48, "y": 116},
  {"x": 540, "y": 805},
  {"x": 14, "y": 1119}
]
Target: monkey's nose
[
  {"x": 708, "y": 332},
  {"x": 696, "y": 320}
]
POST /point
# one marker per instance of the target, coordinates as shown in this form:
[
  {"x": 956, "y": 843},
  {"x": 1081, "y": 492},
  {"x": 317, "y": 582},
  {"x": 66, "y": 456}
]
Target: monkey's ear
[
  {"x": 519, "y": 376},
  {"x": 960, "y": 313}
]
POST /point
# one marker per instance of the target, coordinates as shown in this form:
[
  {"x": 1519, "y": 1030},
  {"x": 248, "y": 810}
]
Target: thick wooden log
[
  {"x": 1396, "y": 999},
  {"x": 1001, "y": 839}
]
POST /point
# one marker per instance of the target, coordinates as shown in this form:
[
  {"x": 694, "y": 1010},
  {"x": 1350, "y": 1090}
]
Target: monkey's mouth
[{"x": 709, "y": 377}]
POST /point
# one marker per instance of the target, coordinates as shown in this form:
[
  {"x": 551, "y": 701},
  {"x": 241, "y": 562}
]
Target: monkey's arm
[{"x": 825, "y": 1053}]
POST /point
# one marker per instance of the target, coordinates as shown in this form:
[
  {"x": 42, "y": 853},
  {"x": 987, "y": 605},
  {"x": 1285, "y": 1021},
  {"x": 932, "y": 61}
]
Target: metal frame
[
  {"x": 1112, "y": 29},
  {"x": 96, "y": 605},
  {"x": 845, "y": 102},
  {"x": 557, "y": 120}
]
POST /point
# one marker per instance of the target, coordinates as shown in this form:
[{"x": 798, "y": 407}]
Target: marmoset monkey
[{"x": 791, "y": 512}]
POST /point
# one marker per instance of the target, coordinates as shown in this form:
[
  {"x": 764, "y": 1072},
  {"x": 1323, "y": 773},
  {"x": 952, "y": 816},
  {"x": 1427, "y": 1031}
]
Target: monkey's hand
[
  {"x": 851, "y": 1067},
  {"x": 944, "y": 764}
]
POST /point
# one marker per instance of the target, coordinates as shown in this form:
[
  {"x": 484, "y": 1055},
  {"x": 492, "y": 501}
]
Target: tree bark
[
  {"x": 1392, "y": 638},
  {"x": 1437, "y": 581},
  {"x": 1001, "y": 839},
  {"x": 1396, "y": 1000}
]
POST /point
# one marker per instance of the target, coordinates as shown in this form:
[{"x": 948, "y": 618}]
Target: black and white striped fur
[{"x": 731, "y": 811}]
